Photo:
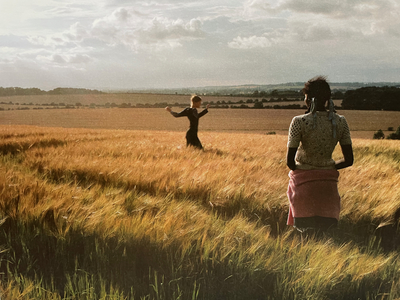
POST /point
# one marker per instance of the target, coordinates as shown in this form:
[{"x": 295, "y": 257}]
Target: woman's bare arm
[
  {"x": 348, "y": 157},
  {"x": 290, "y": 158}
]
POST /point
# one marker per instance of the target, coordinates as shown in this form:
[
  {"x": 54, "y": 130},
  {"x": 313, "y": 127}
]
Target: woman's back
[{"x": 313, "y": 134}]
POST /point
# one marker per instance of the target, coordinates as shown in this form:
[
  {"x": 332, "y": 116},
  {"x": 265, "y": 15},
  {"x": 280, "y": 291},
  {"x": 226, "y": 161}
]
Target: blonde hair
[{"x": 195, "y": 98}]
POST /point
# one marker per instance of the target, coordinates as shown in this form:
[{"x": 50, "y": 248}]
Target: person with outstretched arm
[{"x": 193, "y": 115}]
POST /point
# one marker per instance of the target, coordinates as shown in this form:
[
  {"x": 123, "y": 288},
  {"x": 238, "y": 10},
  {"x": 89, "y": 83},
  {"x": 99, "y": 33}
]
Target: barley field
[{"x": 88, "y": 213}]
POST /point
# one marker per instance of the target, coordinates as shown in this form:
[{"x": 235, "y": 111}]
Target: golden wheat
[{"x": 218, "y": 213}]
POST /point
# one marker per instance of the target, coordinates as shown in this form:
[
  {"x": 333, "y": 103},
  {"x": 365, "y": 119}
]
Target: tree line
[
  {"x": 372, "y": 98},
  {"x": 379, "y": 135},
  {"x": 365, "y": 98},
  {"x": 17, "y": 91}
]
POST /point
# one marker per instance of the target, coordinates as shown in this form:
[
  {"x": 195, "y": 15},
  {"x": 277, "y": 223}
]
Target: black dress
[{"x": 193, "y": 116}]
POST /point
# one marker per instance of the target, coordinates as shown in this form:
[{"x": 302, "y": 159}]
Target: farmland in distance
[{"x": 362, "y": 123}]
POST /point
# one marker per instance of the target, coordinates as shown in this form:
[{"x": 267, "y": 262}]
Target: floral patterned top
[{"x": 313, "y": 136}]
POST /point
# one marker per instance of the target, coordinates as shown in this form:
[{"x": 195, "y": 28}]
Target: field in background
[
  {"x": 126, "y": 214},
  {"x": 363, "y": 124}
]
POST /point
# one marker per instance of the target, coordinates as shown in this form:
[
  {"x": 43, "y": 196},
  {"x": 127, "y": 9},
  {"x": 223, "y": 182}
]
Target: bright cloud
[
  {"x": 250, "y": 42},
  {"x": 129, "y": 27}
]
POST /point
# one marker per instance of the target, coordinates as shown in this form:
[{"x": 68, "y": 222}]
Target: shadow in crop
[
  {"x": 77, "y": 260},
  {"x": 35, "y": 251},
  {"x": 14, "y": 148},
  {"x": 273, "y": 217},
  {"x": 73, "y": 261},
  {"x": 363, "y": 233},
  {"x": 18, "y": 135}
]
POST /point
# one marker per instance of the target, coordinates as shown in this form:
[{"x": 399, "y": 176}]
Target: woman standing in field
[
  {"x": 193, "y": 116},
  {"x": 312, "y": 191}
]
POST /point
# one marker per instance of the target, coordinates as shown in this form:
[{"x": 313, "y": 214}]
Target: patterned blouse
[{"x": 314, "y": 139}]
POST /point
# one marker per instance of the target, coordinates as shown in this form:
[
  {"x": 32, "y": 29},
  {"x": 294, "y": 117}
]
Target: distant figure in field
[
  {"x": 193, "y": 116},
  {"x": 312, "y": 191}
]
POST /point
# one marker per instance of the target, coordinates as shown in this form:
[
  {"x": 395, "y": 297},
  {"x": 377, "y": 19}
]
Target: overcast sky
[{"x": 121, "y": 44}]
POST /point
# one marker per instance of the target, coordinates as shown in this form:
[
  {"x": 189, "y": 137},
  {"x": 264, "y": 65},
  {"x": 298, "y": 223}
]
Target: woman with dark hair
[
  {"x": 193, "y": 116},
  {"x": 312, "y": 191}
]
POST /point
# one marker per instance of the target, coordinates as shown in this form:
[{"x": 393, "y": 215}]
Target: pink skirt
[{"x": 313, "y": 193}]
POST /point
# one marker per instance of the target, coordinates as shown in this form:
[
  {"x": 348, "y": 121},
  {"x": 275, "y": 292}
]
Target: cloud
[
  {"x": 250, "y": 42},
  {"x": 64, "y": 58},
  {"x": 76, "y": 32},
  {"x": 344, "y": 9},
  {"x": 80, "y": 59},
  {"x": 85, "y": 43},
  {"x": 63, "y": 10},
  {"x": 129, "y": 27},
  {"x": 175, "y": 43},
  {"x": 329, "y": 8},
  {"x": 313, "y": 21},
  {"x": 14, "y": 41}
]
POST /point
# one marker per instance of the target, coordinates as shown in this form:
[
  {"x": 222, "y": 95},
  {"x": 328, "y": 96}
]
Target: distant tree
[
  {"x": 263, "y": 94},
  {"x": 394, "y": 135},
  {"x": 378, "y": 135},
  {"x": 275, "y": 93},
  {"x": 337, "y": 95},
  {"x": 258, "y": 105},
  {"x": 372, "y": 98},
  {"x": 66, "y": 91}
]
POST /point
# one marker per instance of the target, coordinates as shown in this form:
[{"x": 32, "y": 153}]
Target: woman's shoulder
[
  {"x": 302, "y": 117},
  {"x": 340, "y": 118}
]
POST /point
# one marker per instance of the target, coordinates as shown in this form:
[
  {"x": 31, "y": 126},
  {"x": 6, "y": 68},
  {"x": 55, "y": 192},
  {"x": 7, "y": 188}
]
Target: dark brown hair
[{"x": 318, "y": 88}]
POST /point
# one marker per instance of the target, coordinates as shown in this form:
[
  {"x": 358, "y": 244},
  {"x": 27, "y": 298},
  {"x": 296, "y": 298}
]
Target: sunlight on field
[{"x": 134, "y": 214}]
